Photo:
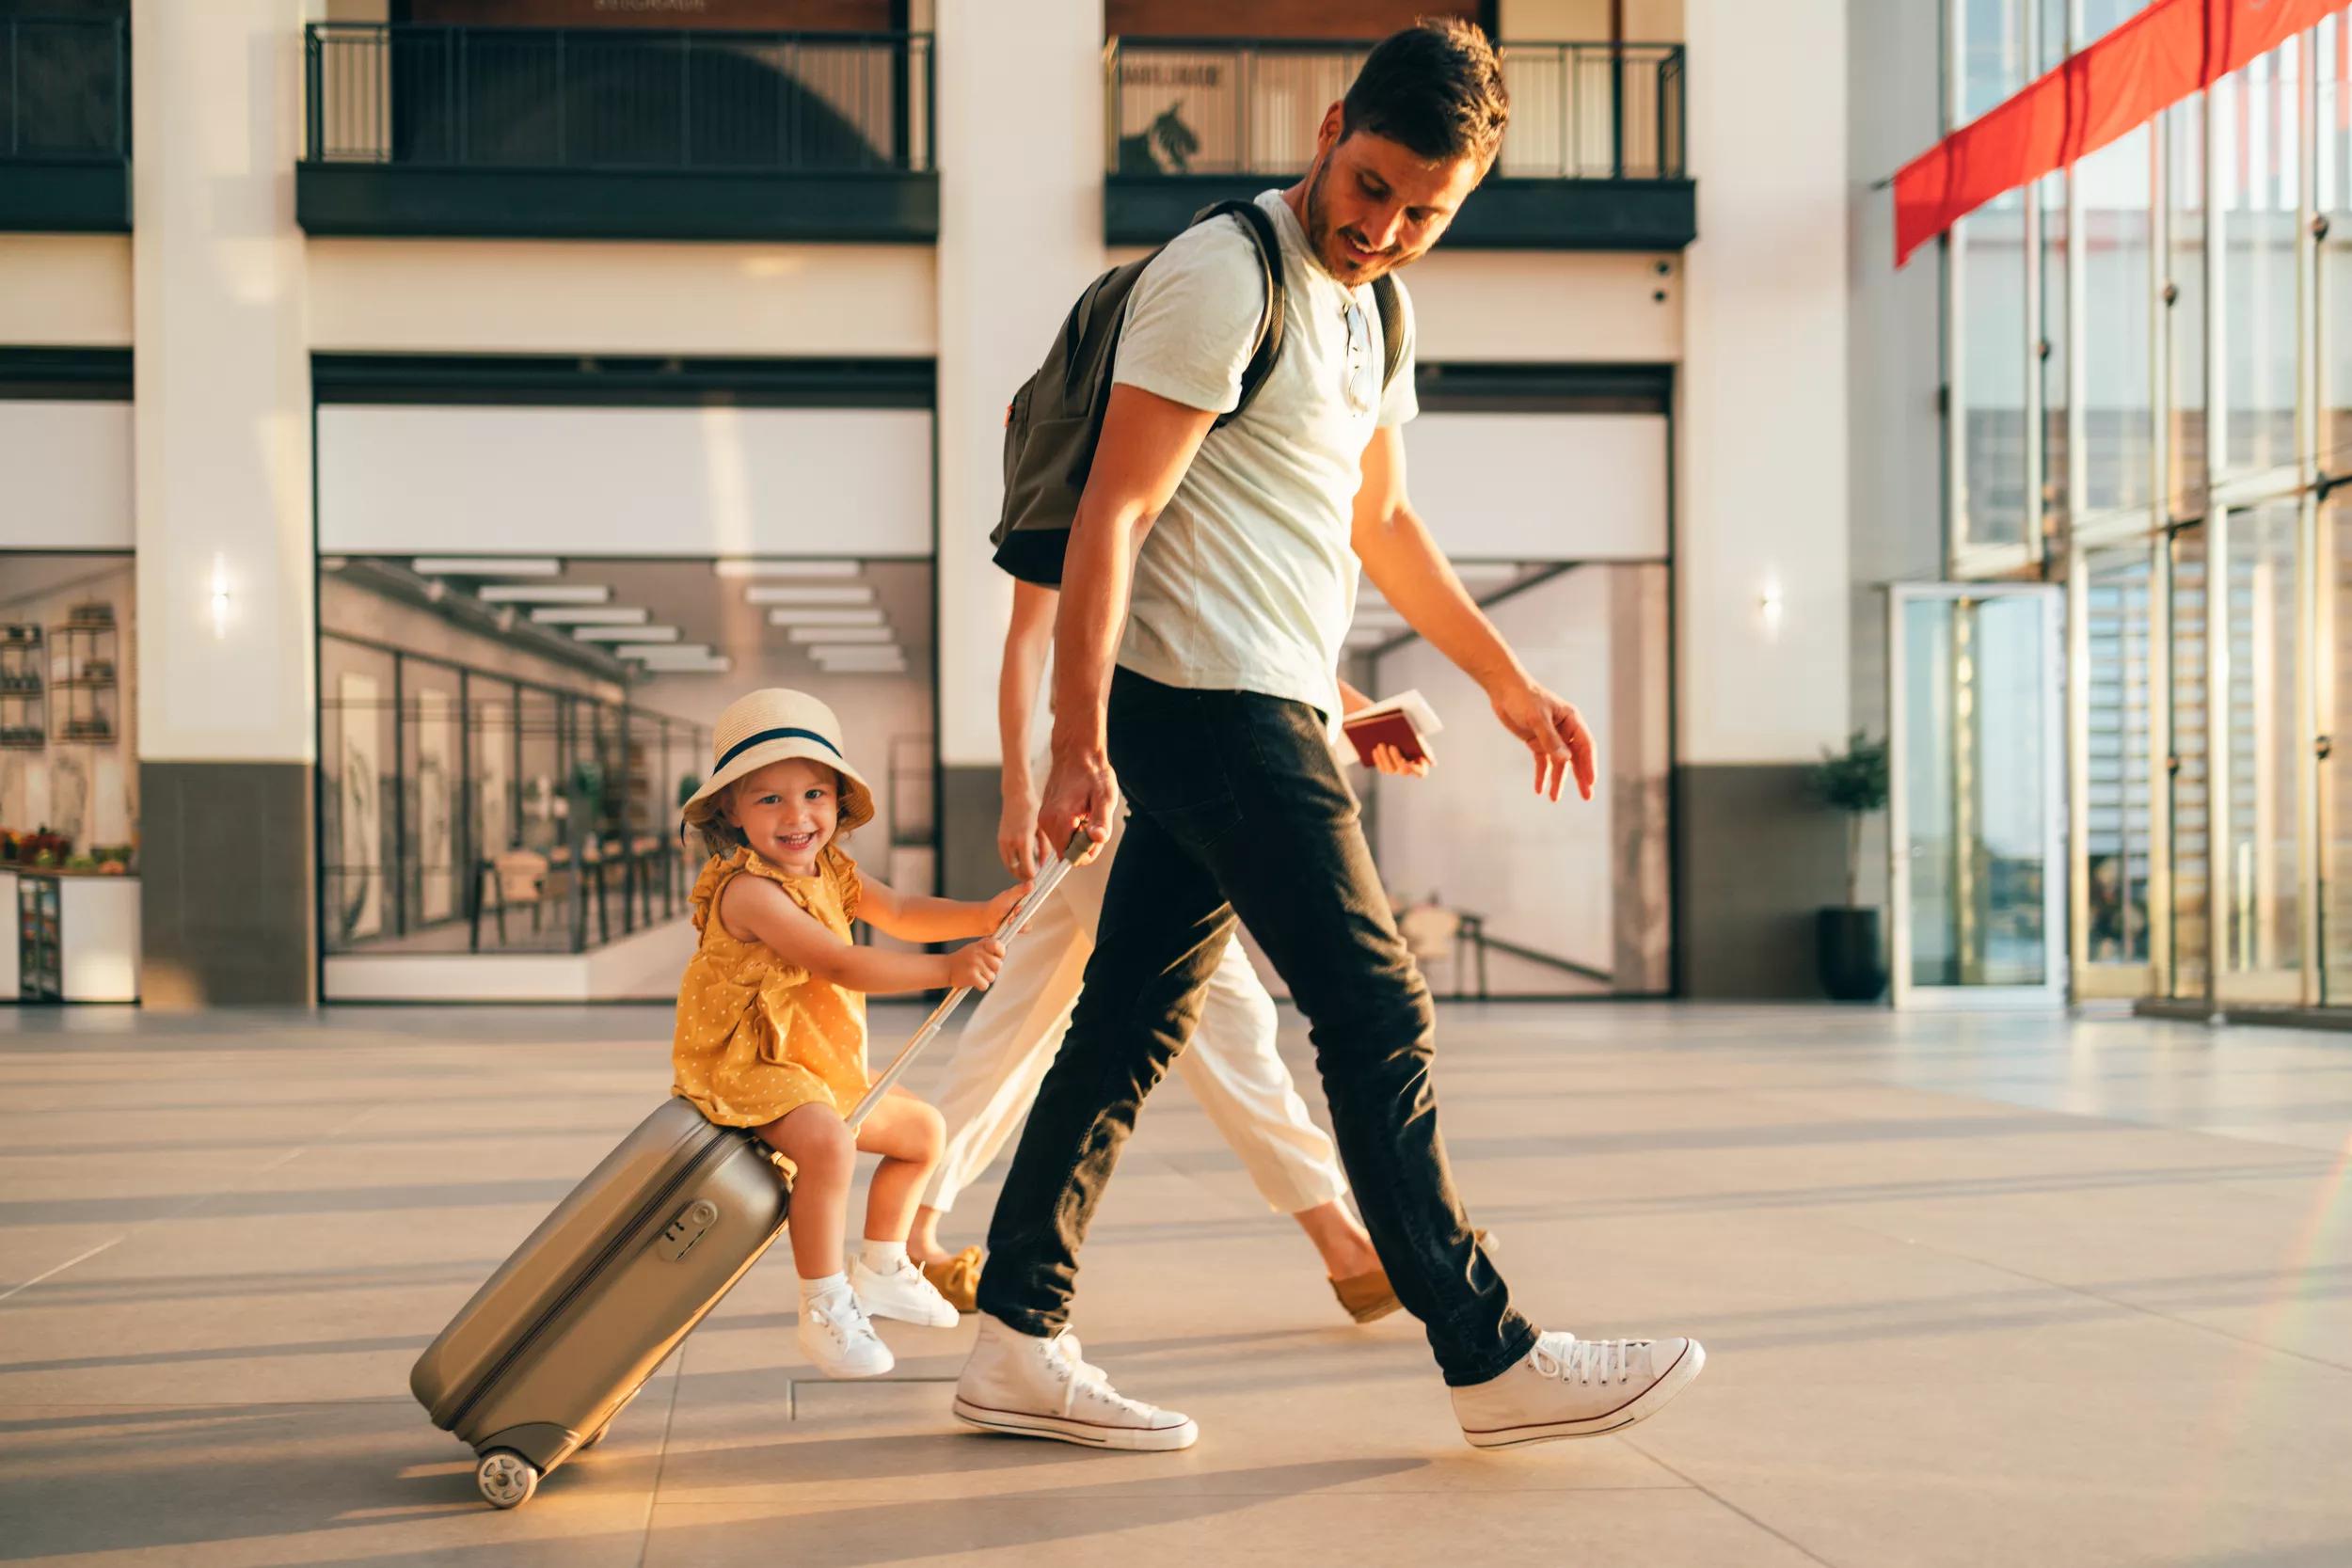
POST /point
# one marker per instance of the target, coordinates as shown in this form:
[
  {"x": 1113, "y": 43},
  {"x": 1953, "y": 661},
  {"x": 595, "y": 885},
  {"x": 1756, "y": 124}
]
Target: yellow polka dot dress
[{"x": 757, "y": 1036}]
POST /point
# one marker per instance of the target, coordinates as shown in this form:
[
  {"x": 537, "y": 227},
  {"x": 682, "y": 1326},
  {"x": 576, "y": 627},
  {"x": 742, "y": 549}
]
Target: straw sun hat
[{"x": 776, "y": 725}]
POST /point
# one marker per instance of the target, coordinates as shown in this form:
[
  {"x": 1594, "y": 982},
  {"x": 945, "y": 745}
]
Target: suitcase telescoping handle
[{"x": 1042, "y": 890}]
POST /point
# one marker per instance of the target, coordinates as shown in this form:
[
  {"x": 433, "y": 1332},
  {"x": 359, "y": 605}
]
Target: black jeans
[{"x": 1238, "y": 807}]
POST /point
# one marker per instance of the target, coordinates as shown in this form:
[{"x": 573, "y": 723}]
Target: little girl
[{"x": 772, "y": 1011}]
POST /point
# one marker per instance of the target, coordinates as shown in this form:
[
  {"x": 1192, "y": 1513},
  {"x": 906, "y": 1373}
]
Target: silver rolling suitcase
[{"x": 536, "y": 1366}]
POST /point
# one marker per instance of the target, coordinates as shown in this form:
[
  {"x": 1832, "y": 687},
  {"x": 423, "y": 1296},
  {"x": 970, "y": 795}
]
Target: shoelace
[
  {"x": 1587, "y": 1360},
  {"x": 837, "y": 1314}
]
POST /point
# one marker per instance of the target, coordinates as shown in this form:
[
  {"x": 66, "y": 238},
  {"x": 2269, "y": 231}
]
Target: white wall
[
  {"x": 643, "y": 481},
  {"x": 1541, "y": 486},
  {"x": 1019, "y": 85},
  {"x": 1762, "y": 444},
  {"x": 68, "y": 467},
  {"x": 549, "y": 296},
  {"x": 1473, "y": 831},
  {"x": 64, "y": 290},
  {"x": 221, "y": 390}
]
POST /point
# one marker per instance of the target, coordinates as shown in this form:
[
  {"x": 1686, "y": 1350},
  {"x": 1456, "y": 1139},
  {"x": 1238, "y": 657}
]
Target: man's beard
[{"x": 1327, "y": 244}]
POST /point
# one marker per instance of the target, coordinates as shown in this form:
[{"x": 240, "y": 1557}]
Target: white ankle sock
[
  {"x": 882, "y": 1257},
  {"x": 824, "y": 1285}
]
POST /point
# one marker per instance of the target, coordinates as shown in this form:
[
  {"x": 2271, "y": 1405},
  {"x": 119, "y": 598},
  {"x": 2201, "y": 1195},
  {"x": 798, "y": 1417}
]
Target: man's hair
[{"x": 1435, "y": 88}]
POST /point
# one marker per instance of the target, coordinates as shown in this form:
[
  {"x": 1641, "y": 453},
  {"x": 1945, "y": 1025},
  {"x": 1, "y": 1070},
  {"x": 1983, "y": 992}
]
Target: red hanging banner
[{"x": 2150, "y": 63}]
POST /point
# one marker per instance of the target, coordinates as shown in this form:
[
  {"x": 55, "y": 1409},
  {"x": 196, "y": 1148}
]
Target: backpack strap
[
  {"x": 1259, "y": 228},
  {"x": 1391, "y": 308}
]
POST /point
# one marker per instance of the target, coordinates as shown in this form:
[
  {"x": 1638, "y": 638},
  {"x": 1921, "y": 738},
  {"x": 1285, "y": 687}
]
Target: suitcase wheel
[{"x": 506, "y": 1477}]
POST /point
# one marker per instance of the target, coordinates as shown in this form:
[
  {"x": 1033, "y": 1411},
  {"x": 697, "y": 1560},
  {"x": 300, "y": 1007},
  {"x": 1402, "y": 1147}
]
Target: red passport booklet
[{"x": 1405, "y": 721}]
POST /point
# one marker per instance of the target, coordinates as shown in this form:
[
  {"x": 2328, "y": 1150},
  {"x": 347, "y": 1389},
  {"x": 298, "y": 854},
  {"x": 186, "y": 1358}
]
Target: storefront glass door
[{"x": 1977, "y": 803}]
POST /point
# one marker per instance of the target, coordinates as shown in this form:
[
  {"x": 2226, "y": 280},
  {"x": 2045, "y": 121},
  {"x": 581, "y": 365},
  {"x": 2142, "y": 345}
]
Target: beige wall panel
[
  {"x": 58, "y": 290},
  {"x": 531, "y": 297}
]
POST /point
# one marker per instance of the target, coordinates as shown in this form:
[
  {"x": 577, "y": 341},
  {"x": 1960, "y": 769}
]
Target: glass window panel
[
  {"x": 2117, "y": 234},
  {"x": 2258, "y": 873},
  {"x": 2186, "y": 765},
  {"x": 2102, "y": 17},
  {"x": 356, "y": 788},
  {"x": 2256, "y": 122},
  {"x": 2052, "y": 348},
  {"x": 1995, "y": 50},
  {"x": 2332, "y": 40},
  {"x": 2185, "y": 313},
  {"x": 431, "y": 792},
  {"x": 2118, "y": 604},
  {"x": 2335, "y": 774},
  {"x": 1988, "y": 259}
]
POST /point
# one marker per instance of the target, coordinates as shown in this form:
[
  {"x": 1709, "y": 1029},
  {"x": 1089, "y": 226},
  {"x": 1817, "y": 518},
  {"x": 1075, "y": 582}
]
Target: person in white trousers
[{"x": 1232, "y": 1066}]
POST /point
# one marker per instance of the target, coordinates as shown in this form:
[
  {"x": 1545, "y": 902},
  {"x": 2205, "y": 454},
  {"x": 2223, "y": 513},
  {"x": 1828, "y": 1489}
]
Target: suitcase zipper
[{"x": 719, "y": 1147}]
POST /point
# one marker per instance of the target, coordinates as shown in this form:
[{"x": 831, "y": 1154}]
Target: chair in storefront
[
  {"x": 511, "y": 877},
  {"x": 1431, "y": 934}
]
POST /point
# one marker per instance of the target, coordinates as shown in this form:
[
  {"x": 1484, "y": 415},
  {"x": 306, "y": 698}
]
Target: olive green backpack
[{"x": 1056, "y": 418}]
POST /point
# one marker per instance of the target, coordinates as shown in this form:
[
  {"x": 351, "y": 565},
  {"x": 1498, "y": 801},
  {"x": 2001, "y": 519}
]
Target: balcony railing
[
  {"x": 1195, "y": 111},
  {"x": 65, "y": 123},
  {"x": 716, "y": 112},
  {"x": 1578, "y": 111}
]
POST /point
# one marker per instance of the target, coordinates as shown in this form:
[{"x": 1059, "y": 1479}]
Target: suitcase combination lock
[{"x": 679, "y": 1238}]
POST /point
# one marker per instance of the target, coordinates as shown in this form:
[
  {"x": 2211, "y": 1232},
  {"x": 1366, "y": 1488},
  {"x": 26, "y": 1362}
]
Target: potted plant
[{"x": 1852, "y": 952}]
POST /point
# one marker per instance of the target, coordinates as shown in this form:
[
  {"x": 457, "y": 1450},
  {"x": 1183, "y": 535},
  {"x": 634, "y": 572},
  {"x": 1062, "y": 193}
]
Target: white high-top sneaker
[
  {"x": 1571, "y": 1387},
  {"x": 834, "y": 1334},
  {"x": 903, "y": 1294},
  {"x": 1017, "y": 1383}
]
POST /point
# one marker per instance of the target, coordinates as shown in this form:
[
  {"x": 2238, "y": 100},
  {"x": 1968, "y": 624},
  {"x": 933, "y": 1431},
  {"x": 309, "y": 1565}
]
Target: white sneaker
[
  {"x": 1572, "y": 1387},
  {"x": 833, "y": 1332},
  {"x": 902, "y": 1295},
  {"x": 1017, "y": 1383}
]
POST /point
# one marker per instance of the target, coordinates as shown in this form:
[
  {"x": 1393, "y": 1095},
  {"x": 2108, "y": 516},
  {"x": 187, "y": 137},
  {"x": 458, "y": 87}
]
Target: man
[
  {"x": 1231, "y": 1064},
  {"x": 1217, "y": 572}
]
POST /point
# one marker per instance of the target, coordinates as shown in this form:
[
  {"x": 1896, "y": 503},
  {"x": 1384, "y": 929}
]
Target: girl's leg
[
  {"x": 908, "y": 1134},
  {"x": 819, "y": 1144}
]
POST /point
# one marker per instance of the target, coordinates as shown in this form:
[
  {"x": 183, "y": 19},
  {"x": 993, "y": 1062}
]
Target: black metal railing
[
  {"x": 1578, "y": 111},
  {"x": 619, "y": 99},
  {"x": 65, "y": 89}
]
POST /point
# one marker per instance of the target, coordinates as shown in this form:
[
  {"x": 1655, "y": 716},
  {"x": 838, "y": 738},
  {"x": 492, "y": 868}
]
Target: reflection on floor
[{"x": 2020, "y": 1290}]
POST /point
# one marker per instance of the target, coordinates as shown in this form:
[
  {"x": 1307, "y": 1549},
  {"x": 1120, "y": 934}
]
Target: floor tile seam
[
  {"x": 148, "y": 1405},
  {"x": 198, "y": 1203},
  {"x": 661, "y": 1466},
  {"x": 2085, "y": 1294},
  {"x": 1725, "y": 1503},
  {"x": 1680, "y": 1489},
  {"x": 2288, "y": 1154}
]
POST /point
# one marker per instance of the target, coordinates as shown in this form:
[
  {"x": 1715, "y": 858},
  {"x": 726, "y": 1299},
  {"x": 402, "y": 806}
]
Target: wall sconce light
[
  {"x": 1769, "y": 607},
  {"x": 220, "y": 598}
]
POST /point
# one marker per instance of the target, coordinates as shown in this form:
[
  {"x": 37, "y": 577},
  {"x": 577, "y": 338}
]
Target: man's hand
[
  {"x": 1079, "y": 787},
  {"x": 1386, "y": 759},
  {"x": 1017, "y": 842},
  {"x": 1553, "y": 731}
]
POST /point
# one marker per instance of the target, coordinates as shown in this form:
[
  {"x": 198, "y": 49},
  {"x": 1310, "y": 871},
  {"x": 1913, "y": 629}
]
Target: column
[
  {"x": 1019, "y": 95},
  {"x": 223, "y": 505},
  {"x": 1760, "y": 546}
]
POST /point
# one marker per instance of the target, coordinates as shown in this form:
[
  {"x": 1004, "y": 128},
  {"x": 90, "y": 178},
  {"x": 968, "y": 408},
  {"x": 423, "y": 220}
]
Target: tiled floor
[{"x": 2013, "y": 1291}]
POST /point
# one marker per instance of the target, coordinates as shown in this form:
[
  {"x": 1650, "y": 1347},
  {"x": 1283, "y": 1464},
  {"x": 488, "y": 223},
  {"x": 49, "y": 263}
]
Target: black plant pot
[{"x": 1852, "y": 956}]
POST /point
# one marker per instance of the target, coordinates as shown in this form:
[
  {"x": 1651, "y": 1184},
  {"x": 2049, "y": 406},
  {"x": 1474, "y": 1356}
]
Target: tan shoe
[
  {"x": 957, "y": 1278},
  {"x": 1370, "y": 1297}
]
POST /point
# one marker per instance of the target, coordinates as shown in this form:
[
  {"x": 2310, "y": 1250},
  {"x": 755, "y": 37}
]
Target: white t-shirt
[{"x": 1247, "y": 581}]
